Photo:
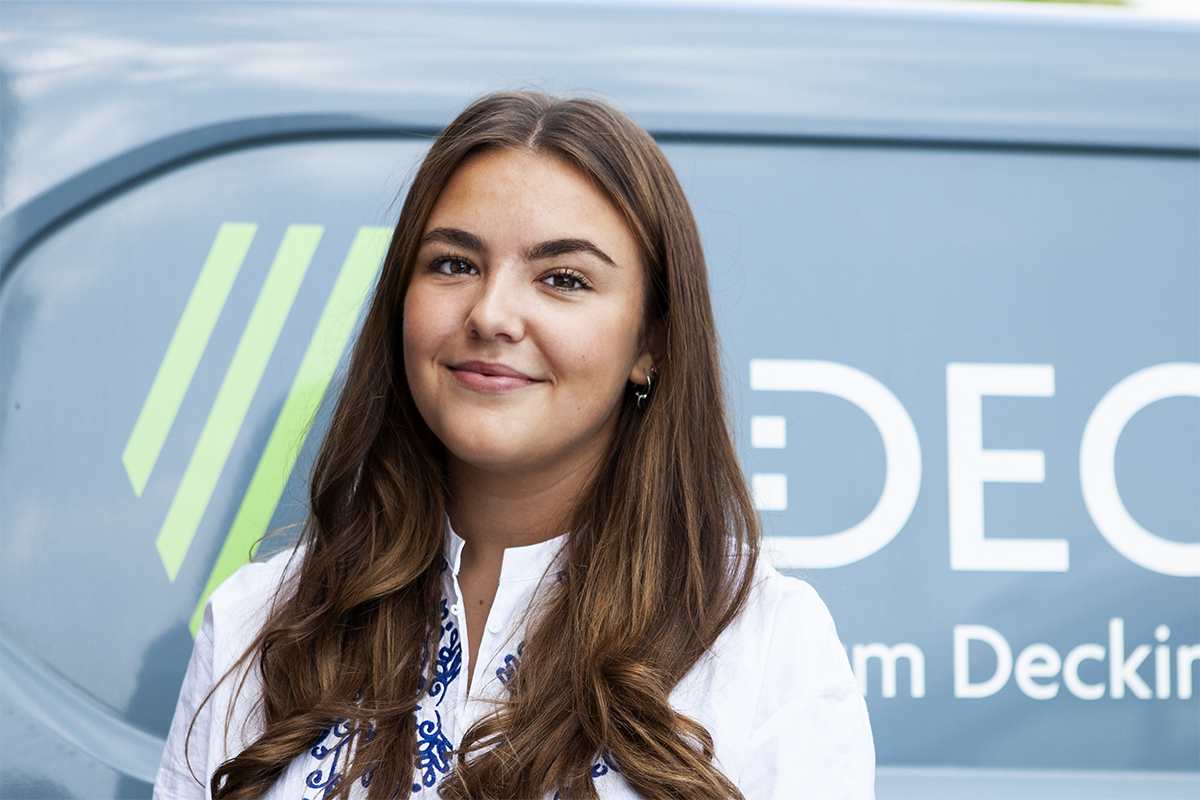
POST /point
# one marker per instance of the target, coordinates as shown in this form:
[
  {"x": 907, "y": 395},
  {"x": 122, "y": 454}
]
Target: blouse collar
[{"x": 527, "y": 563}]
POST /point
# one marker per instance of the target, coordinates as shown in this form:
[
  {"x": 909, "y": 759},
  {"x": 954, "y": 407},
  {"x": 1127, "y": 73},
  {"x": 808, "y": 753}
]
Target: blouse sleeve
[
  {"x": 811, "y": 737},
  {"x": 818, "y": 747},
  {"x": 233, "y": 617},
  {"x": 182, "y": 773}
]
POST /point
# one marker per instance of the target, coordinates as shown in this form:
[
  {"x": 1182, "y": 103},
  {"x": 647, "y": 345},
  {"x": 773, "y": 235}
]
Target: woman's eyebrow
[
  {"x": 562, "y": 247},
  {"x": 456, "y": 238}
]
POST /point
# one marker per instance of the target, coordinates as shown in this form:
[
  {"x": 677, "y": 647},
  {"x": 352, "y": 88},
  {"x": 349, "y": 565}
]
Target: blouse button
[
  {"x": 456, "y": 609},
  {"x": 494, "y": 626}
]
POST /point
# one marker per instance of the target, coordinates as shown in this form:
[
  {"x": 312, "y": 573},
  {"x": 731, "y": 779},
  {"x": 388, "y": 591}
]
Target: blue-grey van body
[{"x": 906, "y": 209}]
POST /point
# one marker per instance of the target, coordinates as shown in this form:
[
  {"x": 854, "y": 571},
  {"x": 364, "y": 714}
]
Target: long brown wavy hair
[{"x": 660, "y": 560}]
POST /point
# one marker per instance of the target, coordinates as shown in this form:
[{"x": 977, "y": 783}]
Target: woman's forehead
[{"x": 521, "y": 197}]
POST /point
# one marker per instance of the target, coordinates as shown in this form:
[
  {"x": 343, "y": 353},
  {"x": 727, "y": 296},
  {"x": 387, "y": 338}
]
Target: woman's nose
[{"x": 497, "y": 312}]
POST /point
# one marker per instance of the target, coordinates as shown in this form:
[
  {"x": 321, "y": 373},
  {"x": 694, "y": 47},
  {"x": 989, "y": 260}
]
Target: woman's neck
[{"x": 493, "y": 511}]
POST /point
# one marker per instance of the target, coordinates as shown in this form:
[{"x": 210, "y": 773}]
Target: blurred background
[{"x": 954, "y": 249}]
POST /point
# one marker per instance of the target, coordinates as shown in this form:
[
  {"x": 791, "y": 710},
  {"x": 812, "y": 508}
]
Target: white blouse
[{"x": 775, "y": 691}]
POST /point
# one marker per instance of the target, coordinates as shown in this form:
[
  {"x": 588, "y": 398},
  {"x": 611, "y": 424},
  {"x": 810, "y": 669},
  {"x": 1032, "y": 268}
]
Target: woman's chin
[
  {"x": 499, "y": 457},
  {"x": 509, "y": 460}
]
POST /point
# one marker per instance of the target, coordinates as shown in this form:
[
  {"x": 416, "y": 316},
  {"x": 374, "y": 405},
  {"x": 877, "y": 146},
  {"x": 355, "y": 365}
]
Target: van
[{"x": 955, "y": 256}]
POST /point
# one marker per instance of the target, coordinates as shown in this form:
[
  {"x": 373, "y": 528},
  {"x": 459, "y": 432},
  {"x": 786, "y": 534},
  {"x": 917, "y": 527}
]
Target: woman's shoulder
[
  {"x": 807, "y": 723},
  {"x": 778, "y": 696},
  {"x": 782, "y": 649},
  {"x": 786, "y": 627},
  {"x": 239, "y": 607},
  {"x": 260, "y": 577}
]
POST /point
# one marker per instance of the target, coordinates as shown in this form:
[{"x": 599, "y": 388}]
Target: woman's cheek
[{"x": 425, "y": 320}]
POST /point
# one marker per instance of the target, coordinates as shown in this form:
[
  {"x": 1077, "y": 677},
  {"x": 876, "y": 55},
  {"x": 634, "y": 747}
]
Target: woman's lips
[{"x": 486, "y": 377}]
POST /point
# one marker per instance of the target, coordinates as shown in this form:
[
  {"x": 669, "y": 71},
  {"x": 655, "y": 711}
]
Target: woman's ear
[{"x": 653, "y": 347}]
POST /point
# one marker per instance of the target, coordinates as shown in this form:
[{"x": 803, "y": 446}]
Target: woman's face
[{"x": 523, "y": 318}]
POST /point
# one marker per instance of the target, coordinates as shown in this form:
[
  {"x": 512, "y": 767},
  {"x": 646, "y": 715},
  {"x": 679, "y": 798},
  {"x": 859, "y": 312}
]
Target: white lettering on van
[
  {"x": 971, "y": 466},
  {"x": 902, "y": 451},
  {"x": 1098, "y": 476},
  {"x": 888, "y": 656}
]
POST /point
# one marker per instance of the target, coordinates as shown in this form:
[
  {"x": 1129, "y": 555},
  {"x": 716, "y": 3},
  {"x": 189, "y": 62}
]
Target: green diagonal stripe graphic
[
  {"x": 183, "y": 353},
  {"x": 237, "y": 390},
  {"x": 308, "y": 389}
]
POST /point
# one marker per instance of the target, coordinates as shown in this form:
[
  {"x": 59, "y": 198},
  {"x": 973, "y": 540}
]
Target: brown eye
[
  {"x": 567, "y": 281},
  {"x": 454, "y": 266}
]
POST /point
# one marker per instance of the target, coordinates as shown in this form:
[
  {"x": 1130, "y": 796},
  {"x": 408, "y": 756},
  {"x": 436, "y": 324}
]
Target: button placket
[
  {"x": 491, "y": 645},
  {"x": 457, "y": 691},
  {"x": 456, "y": 610}
]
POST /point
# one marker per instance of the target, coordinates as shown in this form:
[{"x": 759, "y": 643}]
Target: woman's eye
[
  {"x": 566, "y": 280},
  {"x": 453, "y": 266}
]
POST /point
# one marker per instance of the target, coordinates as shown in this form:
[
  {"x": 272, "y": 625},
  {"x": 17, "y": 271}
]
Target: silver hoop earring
[{"x": 642, "y": 393}]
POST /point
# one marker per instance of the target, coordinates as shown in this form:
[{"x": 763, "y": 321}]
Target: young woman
[{"x": 531, "y": 568}]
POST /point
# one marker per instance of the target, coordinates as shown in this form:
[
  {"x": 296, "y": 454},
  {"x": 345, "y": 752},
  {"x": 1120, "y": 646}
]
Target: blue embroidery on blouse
[
  {"x": 449, "y": 660},
  {"x": 603, "y": 766},
  {"x": 511, "y": 662},
  {"x": 432, "y": 750},
  {"x": 432, "y": 745},
  {"x": 328, "y": 776}
]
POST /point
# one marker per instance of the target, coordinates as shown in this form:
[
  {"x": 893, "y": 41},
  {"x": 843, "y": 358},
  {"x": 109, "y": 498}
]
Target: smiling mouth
[{"x": 486, "y": 377}]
